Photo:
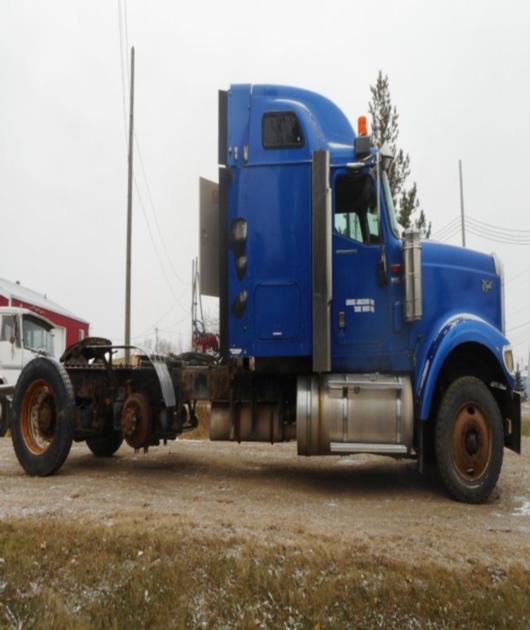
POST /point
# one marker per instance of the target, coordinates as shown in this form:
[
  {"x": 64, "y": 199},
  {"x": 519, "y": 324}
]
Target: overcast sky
[{"x": 459, "y": 75}]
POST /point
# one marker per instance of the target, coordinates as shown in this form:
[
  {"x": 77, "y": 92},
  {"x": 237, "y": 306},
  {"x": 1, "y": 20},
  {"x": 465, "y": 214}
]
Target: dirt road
[{"x": 267, "y": 493}]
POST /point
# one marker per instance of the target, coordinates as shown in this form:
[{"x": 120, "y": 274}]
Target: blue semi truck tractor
[{"x": 337, "y": 330}]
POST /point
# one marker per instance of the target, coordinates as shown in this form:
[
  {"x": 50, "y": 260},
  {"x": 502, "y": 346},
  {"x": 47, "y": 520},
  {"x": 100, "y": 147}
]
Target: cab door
[{"x": 360, "y": 298}]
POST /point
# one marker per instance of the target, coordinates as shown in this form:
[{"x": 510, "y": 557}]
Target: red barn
[{"x": 68, "y": 327}]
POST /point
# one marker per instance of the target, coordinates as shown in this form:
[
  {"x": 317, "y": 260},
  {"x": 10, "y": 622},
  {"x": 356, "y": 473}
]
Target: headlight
[{"x": 507, "y": 356}]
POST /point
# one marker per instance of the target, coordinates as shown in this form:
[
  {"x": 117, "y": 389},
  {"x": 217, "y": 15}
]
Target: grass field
[
  {"x": 156, "y": 565},
  {"x": 61, "y": 576}
]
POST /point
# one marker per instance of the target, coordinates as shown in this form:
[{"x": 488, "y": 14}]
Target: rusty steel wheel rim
[
  {"x": 136, "y": 420},
  {"x": 472, "y": 442},
  {"x": 38, "y": 417}
]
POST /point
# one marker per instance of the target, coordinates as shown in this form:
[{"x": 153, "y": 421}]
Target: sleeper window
[{"x": 281, "y": 130}]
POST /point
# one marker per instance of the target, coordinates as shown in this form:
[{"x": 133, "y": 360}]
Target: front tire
[
  {"x": 469, "y": 440},
  {"x": 42, "y": 423}
]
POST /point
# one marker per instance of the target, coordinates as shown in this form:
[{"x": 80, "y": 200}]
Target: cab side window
[
  {"x": 9, "y": 329},
  {"x": 281, "y": 130},
  {"x": 356, "y": 209}
]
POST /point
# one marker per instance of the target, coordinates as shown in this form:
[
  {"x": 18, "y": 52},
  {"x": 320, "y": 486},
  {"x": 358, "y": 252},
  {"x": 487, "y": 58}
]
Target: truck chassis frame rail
[{"x": 90, "y": 396}]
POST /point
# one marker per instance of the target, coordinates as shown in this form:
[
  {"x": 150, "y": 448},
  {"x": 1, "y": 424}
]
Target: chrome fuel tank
[{"x": 354, "y": 413}]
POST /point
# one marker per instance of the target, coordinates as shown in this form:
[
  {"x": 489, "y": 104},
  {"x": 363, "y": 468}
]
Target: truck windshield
[
  {"x": 37, "y": 335},
  {"x": 389, "y": 202}
]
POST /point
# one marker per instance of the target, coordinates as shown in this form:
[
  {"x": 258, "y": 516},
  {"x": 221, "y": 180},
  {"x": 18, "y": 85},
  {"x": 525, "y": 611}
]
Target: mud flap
[
  {"x": 5, "y": 419},
  {"x": 167, "y": 389},
  {"x": 512, "y": 421},
  {"x": 509, "y": 403},
  {"x": 5, "y": 407}
]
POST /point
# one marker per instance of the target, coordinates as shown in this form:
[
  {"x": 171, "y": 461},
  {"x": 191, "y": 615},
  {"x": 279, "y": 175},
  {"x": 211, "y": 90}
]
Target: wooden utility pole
[
  {"x": 462, "y": 204},
  {"x": 129, "y": 215}
]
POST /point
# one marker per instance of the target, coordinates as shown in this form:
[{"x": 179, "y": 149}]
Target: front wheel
[
  {"x": 469, "y": 440},
  {"x": 42, "y": 423}
]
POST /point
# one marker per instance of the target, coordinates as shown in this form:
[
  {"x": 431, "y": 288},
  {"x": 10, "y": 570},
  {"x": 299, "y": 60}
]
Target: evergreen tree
[{"x": 384, "y": 120}]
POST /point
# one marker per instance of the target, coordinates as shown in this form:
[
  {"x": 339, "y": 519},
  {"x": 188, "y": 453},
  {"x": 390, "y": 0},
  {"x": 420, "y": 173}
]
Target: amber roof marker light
[{"x": 362, "y": 126}]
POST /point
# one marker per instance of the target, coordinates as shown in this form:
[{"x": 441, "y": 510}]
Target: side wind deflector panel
[
  {"x": 209, "y": 237},
  {"x": 223, "y": 128},
  {"x": 321, "y": 262},
  {"x": 224, "y": 185},
  {"x": 222, "y": 225}
]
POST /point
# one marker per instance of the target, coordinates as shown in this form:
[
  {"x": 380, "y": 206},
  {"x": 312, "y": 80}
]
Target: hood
[
  {"x": 458, "y": 280},
  {"x": 441, "y": 254}
]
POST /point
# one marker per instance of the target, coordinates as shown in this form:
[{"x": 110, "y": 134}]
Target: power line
[
  {"x": 152, "y": 327},
  {"x": 151, "y": 202},
  {"x": 173, "y": 330},
  {"x": 447, "y": 227},
  {"x": 523, "y": 240},
  {"x": 484, "y": 230},
  {"x": 518, "y": 275},
  {"x": 150, "y": 232},
  {"x": 498, "y": 234},
  {"x": 520, "y": 339},
  {"x": 124, "y": 37},
  {"x": 520, "y": 310},
  {"x": 123, "y": 80},
  {"x": 497, "y": 238},
  {"x": 498, "y": 228},
  {"x": 523, "y": 325},
  {"x": 449, "y": 235},
  {"x": 124, "y": 30}
]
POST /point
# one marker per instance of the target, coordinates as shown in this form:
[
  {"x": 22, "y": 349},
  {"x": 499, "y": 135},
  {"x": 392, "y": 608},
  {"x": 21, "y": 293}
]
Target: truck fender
[{"x": 455, "y": 331}]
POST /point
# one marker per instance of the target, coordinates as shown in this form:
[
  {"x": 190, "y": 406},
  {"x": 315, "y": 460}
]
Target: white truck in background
[{"x": 23, "y": 335}]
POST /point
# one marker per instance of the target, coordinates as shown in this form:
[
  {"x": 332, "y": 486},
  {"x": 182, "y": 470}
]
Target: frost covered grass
[{"x": 138, "y": 574}]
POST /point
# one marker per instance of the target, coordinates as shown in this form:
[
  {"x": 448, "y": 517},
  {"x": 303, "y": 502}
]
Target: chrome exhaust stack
[{"x": 412, "y": 272}]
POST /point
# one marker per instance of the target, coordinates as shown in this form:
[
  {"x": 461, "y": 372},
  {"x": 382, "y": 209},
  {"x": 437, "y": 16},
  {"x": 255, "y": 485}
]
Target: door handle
[{"x": 382, "y": 279}]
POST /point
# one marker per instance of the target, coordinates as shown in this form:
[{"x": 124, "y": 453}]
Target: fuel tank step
[{"x": 342, "y": 448}]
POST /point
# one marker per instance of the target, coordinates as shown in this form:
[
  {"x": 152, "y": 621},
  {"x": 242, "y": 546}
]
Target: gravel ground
[{"x": 268, "y": 493}]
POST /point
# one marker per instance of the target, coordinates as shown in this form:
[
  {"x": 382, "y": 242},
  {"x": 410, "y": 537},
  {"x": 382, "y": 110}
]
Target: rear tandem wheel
[{"x": 105, "y": 445}]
